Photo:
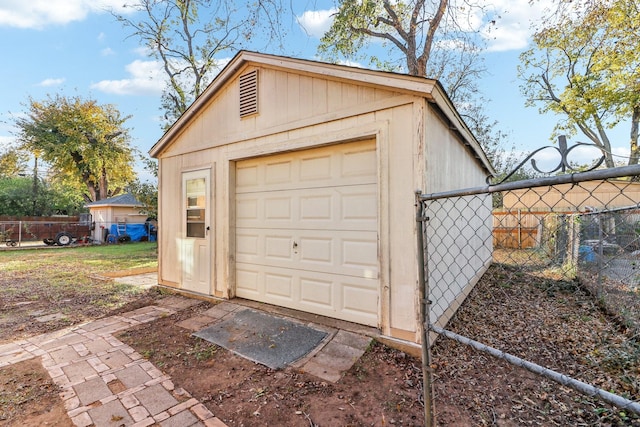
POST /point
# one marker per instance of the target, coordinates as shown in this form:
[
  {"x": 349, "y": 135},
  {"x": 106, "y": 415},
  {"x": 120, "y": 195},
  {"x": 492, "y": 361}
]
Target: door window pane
[{"x": 196, "y": 204}]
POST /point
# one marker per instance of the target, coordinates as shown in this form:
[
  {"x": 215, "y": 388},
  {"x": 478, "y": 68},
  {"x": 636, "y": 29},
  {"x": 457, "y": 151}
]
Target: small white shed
[
  {"x": 291, "y": 182},
  {"x": 122, "y": 210}
]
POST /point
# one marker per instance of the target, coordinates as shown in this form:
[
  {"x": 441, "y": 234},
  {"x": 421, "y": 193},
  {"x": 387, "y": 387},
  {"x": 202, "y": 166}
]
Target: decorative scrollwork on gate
[{"x": 563, "y": 166}]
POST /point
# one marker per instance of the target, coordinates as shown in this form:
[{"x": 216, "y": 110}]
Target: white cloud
[
  {"x": 621, "y": 154},
  {"x": 50, "y": 82},
  {"x": 146, "y": 78},
  {"x": 107, "y": 51},
  {"x": 505, "y": 25},
  {"x": 6, "y": 141},
  {"x": 316, "y": 22},
  {"x": 348, "y": 63},
  {"x": 37, "y": 14},
  {"x": 513, "y": 19}
]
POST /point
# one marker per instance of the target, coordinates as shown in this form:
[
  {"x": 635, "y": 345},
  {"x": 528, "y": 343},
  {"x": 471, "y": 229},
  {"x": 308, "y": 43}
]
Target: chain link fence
[
  {"x": 534, "y": 306},
  {"x": 45, "y": 231}
]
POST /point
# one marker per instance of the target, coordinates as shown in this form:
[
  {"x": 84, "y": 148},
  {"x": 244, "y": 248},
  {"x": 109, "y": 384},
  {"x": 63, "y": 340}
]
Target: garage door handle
[{"x": 295, "y": 245}]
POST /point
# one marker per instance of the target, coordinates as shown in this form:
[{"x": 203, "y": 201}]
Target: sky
[{"x": 75, "y": 47}]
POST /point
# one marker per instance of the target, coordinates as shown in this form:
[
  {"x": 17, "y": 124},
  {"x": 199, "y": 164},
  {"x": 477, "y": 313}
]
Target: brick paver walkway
[{"x": 104, "y": 382}]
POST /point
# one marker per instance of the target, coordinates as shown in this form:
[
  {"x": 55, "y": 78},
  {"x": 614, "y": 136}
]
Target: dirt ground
[{"x": 555, "y": 324}]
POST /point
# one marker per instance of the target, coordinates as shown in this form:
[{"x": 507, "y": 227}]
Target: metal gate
[{"x": 558, "y": 297}]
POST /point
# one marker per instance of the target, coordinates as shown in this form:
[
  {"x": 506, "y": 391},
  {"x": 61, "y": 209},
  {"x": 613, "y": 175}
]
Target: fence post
[
  {"x": 599, "y": 219},
  {"x": 425, "y": 311},
  {"x": 519, "y": 228},
  {"x": 20, "y": 233}
]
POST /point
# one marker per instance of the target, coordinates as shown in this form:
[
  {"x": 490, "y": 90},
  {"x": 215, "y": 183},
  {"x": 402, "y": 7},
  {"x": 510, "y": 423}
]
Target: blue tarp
[{"x": 135, "y": 231}]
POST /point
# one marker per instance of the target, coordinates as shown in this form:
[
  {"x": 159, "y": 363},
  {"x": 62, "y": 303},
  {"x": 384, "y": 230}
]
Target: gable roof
[
  {"x": 126, "y": 199},
  {"x": 429, "y": 89}
]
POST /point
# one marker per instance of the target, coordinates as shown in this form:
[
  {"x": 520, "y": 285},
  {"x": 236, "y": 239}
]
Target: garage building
[{"x": 292, "y": 182}]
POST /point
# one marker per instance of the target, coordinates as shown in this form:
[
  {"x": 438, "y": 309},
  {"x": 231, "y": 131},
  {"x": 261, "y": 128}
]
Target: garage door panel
[
  {"x": 359, "y": 205},
  {"x": 248, "y": 280},
  {"x": 317, "y": 292},
  {"x": 351, "y": 253},
  {"x": 247, "y": 244},
  {"x": 307, "y": 231},
  {"x": 349, "y": 164},
  {"x": 336, "y": 208},
  {"x": 279, "y": 286},
  {"x": 360, "y": 301},
  {"x": 359, "y": 163},
  {"x": 360, "y": 253},
  {"x": 246, "y": 209},
  {"x": 278, "y": 248},
  {"x": 277, "y": 172},
  {"x": 278, "y": 208},
  {"x": 316, "y": 207},
  {"x": 315, "y": 168},
  {"x": 351, "y": 299}
]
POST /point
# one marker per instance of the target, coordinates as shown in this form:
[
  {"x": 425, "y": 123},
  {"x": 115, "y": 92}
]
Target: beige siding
[
  {"x": 169, "y": 221},
  {"x": 297, "y": 112},
  {"x": 284, "y": 100},
  {"x": 575, "y": 198},
  {"x": 463, "y": 244}
]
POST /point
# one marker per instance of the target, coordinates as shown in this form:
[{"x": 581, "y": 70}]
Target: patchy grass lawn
[
  {"x": 62, "y": 283},
  {"x": 531, "y": 312}
]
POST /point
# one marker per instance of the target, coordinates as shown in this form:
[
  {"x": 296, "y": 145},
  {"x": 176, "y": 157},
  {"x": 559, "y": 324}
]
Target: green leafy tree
[
  {"x": 147, "y": 192},
  {"x": 85, "y": 144},
  {"x": 427, "y": 39},
  {"x": 13, "y": 162},
  {"x": 187, "y": 35},
  {"x": 586, "y": 68},
  {"x": 17, "y": 198}
]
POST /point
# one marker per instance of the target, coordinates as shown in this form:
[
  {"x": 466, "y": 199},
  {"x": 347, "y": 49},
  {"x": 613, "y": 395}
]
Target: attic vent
[{"x": 249, "y": 93}]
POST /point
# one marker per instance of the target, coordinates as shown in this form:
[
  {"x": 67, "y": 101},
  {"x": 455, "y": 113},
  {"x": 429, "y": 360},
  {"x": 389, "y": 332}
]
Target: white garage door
[{"x": 307, "y": 231}]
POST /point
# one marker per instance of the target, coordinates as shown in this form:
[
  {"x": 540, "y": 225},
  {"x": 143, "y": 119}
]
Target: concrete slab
[
  {"x": 64, "y": 355},
  {"x": 217, "y": 312},
  {"x": 181, "y": 419},
  {"x": 132, "y": 376},
  {"x": 97, "y": 346},
  {"x": 352, "y": 339},
  {"x": 92, "y": 391},
  {"x": 156, "y": 399},
  {"x": 78, "y": 371},
  {"x": 342, "y": 362},
  {"x": 322, "y": 371},
  {"x": 115, "y": 359},
  {"x": 110, "y": 414}
]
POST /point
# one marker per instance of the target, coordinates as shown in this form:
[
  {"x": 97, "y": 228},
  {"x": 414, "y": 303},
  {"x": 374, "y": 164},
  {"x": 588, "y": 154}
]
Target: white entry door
[
  {"x": 196, "y": 243},
  {"x": 307, "y": 231}
]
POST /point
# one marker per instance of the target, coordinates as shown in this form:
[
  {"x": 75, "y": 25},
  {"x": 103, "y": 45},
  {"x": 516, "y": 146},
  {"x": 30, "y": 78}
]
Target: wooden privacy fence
[
  {"x": 518, "y": 228},
  {"x": 31, "y": 229}
]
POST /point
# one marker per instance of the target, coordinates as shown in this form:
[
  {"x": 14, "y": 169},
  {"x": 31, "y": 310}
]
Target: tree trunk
[
  {"x": 606, "y": 144},
  {"x": 633, "y": 140}
]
